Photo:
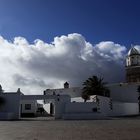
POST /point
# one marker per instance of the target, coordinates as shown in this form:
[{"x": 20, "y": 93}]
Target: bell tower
[{"x": 133, "y": 66}]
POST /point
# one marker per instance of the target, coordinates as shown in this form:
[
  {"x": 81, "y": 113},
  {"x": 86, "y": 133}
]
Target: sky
[
  {"x": 96, "y": 20},
  {"x": 44, "y": 43}
]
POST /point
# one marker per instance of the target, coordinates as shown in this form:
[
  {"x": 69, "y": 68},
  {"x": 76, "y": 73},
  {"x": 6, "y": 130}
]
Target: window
[
  {"x": 27, "y": 106},
  {"x": 94, "y": 109}
]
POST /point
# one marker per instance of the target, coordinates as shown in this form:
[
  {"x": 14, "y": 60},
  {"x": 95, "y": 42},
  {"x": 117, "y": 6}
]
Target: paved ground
[{"x": 47, "y": 129}]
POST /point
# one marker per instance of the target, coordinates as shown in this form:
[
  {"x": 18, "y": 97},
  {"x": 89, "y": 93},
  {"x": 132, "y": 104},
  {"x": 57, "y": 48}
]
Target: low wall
[
  {"x": 87, "y": 110},
  {"x": 67, "y": 109},
  {"x": 59, "y": 109},
  {"x": 80, "y": 107},
  {"x": 122, "y": 109},
  {"x": 7, "y": 116},
  {"x": 94, "y": 110},
  {"x": 83, "y": 116}
]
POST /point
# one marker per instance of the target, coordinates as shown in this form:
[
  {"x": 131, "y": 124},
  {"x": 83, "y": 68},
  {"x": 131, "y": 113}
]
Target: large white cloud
[{"x": 35, "y": 67}]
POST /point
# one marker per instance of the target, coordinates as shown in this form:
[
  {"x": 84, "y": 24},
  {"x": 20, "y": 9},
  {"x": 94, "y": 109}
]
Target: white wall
[
  {"x": 59, "y": 105},
  {"x": 11, "y": 106},
  {"x": 75, "y": 110},
  {"x": 59, "y": 109},
  {"x": 47, "y": 107},
  {"x": 82, "y": 110},
  {"x": 64, "y": 98},
  {"x": 122, "y": 109},
  {"x": 73, "y": 91},
  {"x": 80, "y": 107},
  {"x": 124, "y": 92},
  {"x": 33, "y": 106},
  {"x": 86, "y": 107},
  {"x": 80, "y": 99},
  {"x": 104, "y": 104},
  {"x": 77, "y": 99}
]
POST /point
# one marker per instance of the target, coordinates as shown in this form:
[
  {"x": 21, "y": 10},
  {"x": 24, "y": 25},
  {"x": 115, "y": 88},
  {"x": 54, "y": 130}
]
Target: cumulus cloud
[{"x": 40, "y": 65}]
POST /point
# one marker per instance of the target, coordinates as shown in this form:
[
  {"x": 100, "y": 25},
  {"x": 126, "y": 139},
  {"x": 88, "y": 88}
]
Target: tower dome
[
  {"x": 133, "y": 57},
  {"x": 133, "y": 51}
]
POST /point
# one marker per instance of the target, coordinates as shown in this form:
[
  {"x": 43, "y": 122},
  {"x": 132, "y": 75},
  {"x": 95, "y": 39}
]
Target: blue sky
[{"x": 96, "y": 20}]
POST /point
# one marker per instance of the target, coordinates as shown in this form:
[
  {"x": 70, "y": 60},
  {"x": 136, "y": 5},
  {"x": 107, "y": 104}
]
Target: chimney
[{"x": 66, "y": 85}]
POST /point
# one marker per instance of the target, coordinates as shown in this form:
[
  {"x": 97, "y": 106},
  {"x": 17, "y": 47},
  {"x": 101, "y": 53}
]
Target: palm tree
[{"x": 94, "y": 86}]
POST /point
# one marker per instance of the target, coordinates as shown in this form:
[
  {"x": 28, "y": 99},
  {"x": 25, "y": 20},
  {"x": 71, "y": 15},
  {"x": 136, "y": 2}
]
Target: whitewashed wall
[
  {"x": 80, "y": 107},
  {"x": 59, "y": 109},
  {"x": 47, "y": 107},
  {"x": 86, "y": 107},
  {"x": 73, "y": 91},
  {"x": 124, "y": 92},
  {"x": 82, "y": 110},
  {"x": 104, "y": 104},
  {"x": 11, "y": 108},
  {"x": 59, "y": 105},
  {"x": 33, "y": 106},
  {"x": 122, "y": 109}
]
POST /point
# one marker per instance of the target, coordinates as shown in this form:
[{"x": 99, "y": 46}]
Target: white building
[
  {"x": 66, "y": 103},
  {"x": 123, "y": 97},
  {"x": 12, "y": 104},
  {"x": 12, "y": 101},
  {"x": 63, "y": 108}
]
